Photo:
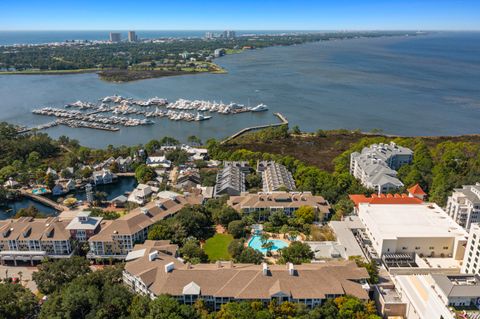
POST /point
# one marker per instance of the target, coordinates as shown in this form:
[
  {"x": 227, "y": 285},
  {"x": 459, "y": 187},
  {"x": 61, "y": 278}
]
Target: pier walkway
[
  {"x": 282, "y": 118},
  {"x": 44, "y": 201}
]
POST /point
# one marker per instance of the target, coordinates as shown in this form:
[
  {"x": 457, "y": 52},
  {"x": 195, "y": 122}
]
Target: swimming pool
[
  {"x": 39, "y": 191},
  {"x": 256, "y": 244}
]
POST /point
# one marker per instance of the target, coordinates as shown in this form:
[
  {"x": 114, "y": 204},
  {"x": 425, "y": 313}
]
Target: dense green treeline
[{"x": 124, "y": 54}]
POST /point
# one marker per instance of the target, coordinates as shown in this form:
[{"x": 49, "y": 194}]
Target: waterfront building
[
  {"x": 230, "y": 181},
  {"x": 464, "y": 205},
  {"x": 276, "y": 177},
  {"x": 116, "y": 238},
  {"x": 103, "y": 177},
  {"x": 89, "y": 193},
  {"x": 33, "y": 239},
  {"x": 218, "y": 53},
  {"x": 376, "y": 166},
  {"x": 115, "y": 37},
  {"x": 142, "y": 193},
  {"x": 287, "y": 202},
  {"x": 153, "y": 270},
  {"x": 83, "y": 226},
  {"x": 420, "y": 229},
  {"x": 431, "y": 296},
  {"x": 471, "y": 261},
  {"x": 188, "y": 180},
  {"x": 158, "y": 161},
  {"x": 132, "y": 36}
]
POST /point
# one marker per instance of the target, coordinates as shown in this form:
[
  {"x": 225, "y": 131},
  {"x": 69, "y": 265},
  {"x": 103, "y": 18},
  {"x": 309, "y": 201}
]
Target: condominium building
[
  {"x": 423, "y": 229},
  {"x": 153, "y": 270},
  {"x": 471, "y": 261},
  {"x": 231, "y": 179},
  {"x": 287, "y": 202},
  {"x": 275, "y": 177},
  {"x": 115, "y": 37},
  {"x": 116, "y": 238},
  {"x": 132, "y": 36},
  {"x": 376, "y": 166},
  {"x": 83, "y": 226},
  {"x": 464, "y": 205},
  {"x": 32, "y": 239},
  {"x": 431, "y": 296}
]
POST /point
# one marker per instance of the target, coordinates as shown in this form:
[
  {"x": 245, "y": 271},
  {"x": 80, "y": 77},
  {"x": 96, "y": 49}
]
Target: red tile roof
[
  {"x": 388, "y": 199},
  {"x": 416, "y": 190}
]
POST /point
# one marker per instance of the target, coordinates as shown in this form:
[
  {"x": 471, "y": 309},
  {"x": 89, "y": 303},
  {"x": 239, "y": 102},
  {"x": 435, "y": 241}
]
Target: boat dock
[{"x": 282, "y": 118}]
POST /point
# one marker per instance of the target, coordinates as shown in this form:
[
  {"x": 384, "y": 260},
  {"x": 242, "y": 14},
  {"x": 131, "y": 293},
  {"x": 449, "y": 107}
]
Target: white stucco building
[
  {"x": 424, "y": 229},
  {"x": 464, "y": 205}
]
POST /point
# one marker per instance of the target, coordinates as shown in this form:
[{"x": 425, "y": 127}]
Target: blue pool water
[{"x": 256, "y": 244}]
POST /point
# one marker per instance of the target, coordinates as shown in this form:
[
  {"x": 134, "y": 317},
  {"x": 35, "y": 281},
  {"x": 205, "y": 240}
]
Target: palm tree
[
  {"x": 264, "y": 238},
  {"x": 268, "y": 246}
]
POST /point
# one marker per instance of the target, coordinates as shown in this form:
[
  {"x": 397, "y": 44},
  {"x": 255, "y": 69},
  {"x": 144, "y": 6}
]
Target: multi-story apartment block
[
  {"x": 231, "y": 179},
  {"x": 30, "y": 239},
  {"x": 376, "y": 166},
  {"x": 82, "y": 227},
  {"x": 152, "y": 270},
  {"x": 464, "y": 205},
  {"x": 275, "y": 177},
  {"x": 471, "y": 260},
  {"x": 279, "y": 201},
  {"x": 116, "y": 238}
]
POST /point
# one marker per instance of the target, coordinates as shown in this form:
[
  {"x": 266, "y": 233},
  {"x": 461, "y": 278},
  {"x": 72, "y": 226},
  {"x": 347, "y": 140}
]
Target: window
[
  {"x": 431, "y": 248},
  {"x": 417, "y": 247},
  {"x": 445, "y": 247}
]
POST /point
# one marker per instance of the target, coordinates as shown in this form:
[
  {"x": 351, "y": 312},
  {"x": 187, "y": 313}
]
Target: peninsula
[{"x": 150, "y": 58}]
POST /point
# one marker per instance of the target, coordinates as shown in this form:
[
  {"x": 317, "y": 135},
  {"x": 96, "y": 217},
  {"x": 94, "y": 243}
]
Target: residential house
[
  {"x": 158, "y": 161},
  {"x": 103, "y": 176},
  {"x": 230, "y": 181},
  {"x": 276, "y": 177},
  {"x": 142, "y": 193},
  {"x": 188, "y": 180},
  {"x": 124, "y": 164}
]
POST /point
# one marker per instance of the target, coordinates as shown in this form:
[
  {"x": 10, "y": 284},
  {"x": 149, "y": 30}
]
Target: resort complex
[{"x": 152, "y": 269}]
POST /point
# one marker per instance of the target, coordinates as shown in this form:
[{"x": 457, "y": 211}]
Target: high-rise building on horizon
[
  {"x": 229, "y": 34},
  {"x": 132, "y": 36},
  {"x": 115, "y": 37}
]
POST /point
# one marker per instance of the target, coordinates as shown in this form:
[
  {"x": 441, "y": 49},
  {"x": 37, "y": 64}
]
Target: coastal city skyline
[{"x": 247, "y": 15}]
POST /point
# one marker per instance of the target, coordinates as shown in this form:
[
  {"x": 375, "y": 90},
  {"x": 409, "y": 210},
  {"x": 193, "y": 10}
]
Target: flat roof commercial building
[
  {"x": 430, "y": 296},
  {"x": 154, "y": 271},
  {"x": 423, "y": 229}
]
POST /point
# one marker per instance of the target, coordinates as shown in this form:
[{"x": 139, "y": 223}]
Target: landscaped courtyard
[{"x": 216, "y": 247}]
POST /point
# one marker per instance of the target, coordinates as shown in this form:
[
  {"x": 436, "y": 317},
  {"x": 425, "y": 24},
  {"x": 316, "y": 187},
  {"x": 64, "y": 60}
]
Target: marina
[{"x": 88, "y": 115}]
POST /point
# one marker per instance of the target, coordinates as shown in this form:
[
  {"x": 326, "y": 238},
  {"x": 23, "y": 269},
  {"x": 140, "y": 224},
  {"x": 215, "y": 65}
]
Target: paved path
[
  {"x": 256, "y": 128},
  {"x": 44, "y": 200},
  {"x": 13, "y": 272}
]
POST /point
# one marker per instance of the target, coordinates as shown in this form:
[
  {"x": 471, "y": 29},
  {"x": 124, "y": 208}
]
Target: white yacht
[{"x": 259, "y": 108}]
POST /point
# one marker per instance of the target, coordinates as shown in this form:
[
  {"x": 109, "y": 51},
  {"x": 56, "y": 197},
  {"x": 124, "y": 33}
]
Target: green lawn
[{"x": 217, "y": 247}]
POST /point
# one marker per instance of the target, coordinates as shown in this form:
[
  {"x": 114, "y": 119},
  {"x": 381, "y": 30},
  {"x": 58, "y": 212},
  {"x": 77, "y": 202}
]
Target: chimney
[
  {"x": 265, "y": 269},
  {"x": 291, "y": 269},
  {"x": 169, "y": 267}
]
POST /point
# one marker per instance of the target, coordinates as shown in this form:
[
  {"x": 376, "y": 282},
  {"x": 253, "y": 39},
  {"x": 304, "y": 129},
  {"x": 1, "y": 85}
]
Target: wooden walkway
[
  {"x": 282, "y": 118},
  {"x": 45, "y": 201}
]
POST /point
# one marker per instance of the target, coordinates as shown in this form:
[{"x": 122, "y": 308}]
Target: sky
[{"x": 240, "y": 15}]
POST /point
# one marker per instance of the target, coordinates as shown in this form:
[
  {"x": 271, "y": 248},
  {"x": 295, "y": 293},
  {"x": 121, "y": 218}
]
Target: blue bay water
[{"x": 424, "y": 85}]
